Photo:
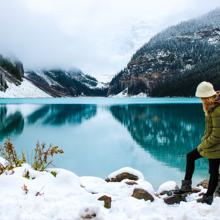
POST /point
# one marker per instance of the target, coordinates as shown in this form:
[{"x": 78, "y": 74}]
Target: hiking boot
[
  {"x": 185, "y": 187},
  {"x": 206, "y": 199}
]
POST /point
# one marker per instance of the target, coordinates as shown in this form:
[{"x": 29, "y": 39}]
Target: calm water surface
[{"x": 100, "y": 135}]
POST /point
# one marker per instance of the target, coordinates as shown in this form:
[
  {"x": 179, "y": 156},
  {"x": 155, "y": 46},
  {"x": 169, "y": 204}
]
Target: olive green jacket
[{"x": 210, "y": 142}]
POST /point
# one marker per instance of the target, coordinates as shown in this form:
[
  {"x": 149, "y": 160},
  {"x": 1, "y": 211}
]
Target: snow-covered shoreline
[{"x": 68, "y": 197}]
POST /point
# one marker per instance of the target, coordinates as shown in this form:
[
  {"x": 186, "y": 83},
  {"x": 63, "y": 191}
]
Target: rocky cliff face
[{"x": 174, "y": 61}]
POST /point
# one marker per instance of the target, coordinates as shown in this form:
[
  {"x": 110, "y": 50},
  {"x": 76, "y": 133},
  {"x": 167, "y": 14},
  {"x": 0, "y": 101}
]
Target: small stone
[
  {"x": 107, "y": 201},
  {"x": 122, "y": 176},
  {"x": 139, "y": 193}
]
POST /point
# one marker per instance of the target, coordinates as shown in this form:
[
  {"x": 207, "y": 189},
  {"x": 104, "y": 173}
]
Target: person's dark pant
[{"x": 213, "y": 170}]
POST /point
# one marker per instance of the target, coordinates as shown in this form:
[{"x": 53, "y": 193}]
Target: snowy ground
[
  {"x": 69, "y": 197},
  {"x": 25, "y": 90}
]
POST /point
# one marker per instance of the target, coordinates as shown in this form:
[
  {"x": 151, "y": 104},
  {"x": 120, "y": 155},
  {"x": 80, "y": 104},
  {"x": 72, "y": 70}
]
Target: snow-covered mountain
[
  {"x": 17, "y": 83},
  {"x": 174, "y": 61},
  {"x": 25, "y": 90},
  {"x": 60, "y": 82},
  {"x": 12, "y": 82}
]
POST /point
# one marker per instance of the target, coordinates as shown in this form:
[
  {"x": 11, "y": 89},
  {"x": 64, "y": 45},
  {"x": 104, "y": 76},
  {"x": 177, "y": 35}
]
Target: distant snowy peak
[
  {"x": 206, "y": 26},
  {"x": 60, "y": 82},
  {"x": 51, "y": 77}
]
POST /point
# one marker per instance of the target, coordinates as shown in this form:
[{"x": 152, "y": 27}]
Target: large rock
[{"x": 139, "y": 193}]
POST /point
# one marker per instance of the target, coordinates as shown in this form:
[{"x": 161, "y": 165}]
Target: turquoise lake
[{"x": 101, "y": 135}]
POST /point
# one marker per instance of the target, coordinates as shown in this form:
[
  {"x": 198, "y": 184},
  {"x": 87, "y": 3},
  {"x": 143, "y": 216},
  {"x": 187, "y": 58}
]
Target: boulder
[{"x": 139, "y": 193}]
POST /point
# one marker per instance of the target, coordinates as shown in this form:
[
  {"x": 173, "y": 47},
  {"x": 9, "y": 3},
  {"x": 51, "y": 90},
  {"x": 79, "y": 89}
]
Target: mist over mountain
[
  {"x": 15, "y": 82},
  {"x": 171, "y": 63}
]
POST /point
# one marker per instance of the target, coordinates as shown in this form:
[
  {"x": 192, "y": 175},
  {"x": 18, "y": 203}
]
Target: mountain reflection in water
[
  {"x": 100, "y": 138},
  {"x": 167, "y": 132}
]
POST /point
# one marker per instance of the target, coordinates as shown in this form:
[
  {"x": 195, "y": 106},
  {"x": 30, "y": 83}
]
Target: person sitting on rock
[{"x": 210, "y": 143}]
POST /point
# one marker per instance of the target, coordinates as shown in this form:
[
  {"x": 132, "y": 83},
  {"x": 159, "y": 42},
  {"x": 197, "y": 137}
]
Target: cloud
[{"x": 96, "y": 36}]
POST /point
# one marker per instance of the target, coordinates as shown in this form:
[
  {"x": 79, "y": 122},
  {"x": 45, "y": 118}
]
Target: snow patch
[
  {"x": 66, "y": 196},
  {"x": 124, "y": 94},
  {"x": 25, "y": 90},
  {"x": 169, "y": 185}
]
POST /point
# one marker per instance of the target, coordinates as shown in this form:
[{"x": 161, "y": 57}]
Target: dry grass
[{"x": 43, "y": 156}]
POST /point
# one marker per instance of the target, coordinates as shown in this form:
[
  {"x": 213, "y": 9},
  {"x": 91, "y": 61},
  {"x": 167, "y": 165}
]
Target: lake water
[{"x": 101, "y": 135}]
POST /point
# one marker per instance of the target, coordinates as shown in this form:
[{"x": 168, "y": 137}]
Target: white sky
[{"x": 97, "y": 36}]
